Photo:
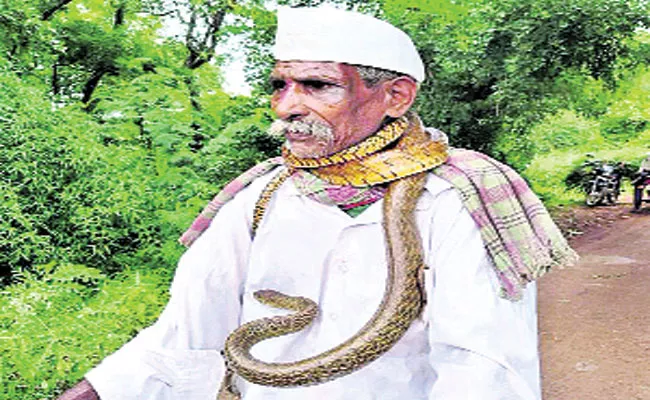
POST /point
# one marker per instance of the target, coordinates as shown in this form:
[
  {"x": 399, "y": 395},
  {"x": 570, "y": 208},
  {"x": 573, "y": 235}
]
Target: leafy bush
[
  {"x": 71, "y": 195},
  {"x": 241, "y": 145},
  {"x": 563, "y": 130},
  {"x": 623, "y": 128},
  {"x": 563, "y": 139},
  {"x": 40, "y": 158},
  {"x": 63, "y": 319},
  {"x": 628, "y": 113},
  {"x": 581, "y": 93}
]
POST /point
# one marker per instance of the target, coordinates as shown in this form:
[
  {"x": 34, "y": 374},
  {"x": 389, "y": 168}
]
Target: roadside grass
[{"x": 547, "y": 172}]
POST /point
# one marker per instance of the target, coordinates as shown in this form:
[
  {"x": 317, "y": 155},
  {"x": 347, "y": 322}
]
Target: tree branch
[
  {"x": 91, "y": 85},
  {"x": 55, "y": 80},
  {"x": 202, "y": 51},
  {"x": 47, "y": 14},
  {"x": 163, "y": 14}
]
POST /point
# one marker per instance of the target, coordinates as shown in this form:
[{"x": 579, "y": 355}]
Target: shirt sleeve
[
  {"x": 482, "y": 346},
  {"x": 178, "y": 357}
]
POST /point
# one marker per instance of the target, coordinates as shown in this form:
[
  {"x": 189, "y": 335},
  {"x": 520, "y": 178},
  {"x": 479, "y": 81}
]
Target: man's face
[{"x": 328, "y": 96}]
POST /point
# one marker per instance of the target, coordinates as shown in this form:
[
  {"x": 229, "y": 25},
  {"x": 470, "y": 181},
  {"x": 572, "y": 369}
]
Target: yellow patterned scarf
[{"x": 400, "y": 149}]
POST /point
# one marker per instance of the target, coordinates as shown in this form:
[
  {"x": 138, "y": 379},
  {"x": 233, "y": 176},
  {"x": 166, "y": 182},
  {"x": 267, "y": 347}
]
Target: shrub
[
  {"x": 63, "y": 319},
  {"x": 563, "y": 130},
  {"x": 72, "y": 196},
  {"x": 624, "y": 121}
]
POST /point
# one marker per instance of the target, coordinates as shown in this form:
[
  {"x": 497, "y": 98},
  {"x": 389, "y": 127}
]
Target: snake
[{"x": 402, "y": 302}]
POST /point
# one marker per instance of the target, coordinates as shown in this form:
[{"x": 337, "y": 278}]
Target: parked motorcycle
[
  {"x": 640, "y": 182},
  {"x": 604, "y": 185}
]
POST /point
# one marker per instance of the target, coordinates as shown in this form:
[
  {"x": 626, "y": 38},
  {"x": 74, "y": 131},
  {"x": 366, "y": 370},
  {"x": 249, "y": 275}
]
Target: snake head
[
  {"x": 280, "y": 300},
  {"x": 267, "y": 295}
]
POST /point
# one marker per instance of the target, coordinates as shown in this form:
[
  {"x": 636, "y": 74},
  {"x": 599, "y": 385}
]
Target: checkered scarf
[
  {"x": 229, "y": 191},
  {"x": 346, "y": 197},
  {"x": 521, "y": 239}
]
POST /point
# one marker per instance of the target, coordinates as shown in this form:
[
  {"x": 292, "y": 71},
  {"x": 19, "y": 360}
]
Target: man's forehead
[{"x": 311, "y": 69}]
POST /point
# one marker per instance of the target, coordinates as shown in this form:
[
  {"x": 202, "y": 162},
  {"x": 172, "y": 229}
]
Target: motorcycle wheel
[
  {"x": 613, "y": 197},
  {"x": 593, "y": 198},
  {"x": 638, "y": 197}
]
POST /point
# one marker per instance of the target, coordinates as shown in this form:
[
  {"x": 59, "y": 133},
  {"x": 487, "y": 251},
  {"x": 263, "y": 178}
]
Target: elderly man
[{"x": 420, "y": 258}]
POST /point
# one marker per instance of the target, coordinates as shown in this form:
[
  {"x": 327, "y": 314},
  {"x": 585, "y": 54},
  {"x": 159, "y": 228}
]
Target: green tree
[
  {"x": 491, "y": 65},
  {"x": 112, "y": 180}
]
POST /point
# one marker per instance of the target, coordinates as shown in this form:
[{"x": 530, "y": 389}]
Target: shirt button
[
  {"x": 333, "y": 316},
  {"x": 343, "y": 266}
]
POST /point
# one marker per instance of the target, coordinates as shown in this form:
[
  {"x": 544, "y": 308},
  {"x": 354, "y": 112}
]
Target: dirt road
[{"x": 595, "y": 316}]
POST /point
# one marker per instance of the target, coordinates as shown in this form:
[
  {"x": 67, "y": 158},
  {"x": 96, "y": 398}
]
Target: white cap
[{"x": 329, "y": 34}]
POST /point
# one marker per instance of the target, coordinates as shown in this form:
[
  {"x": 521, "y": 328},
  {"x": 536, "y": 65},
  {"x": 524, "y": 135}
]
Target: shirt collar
[{"x": 373, "y": 214}]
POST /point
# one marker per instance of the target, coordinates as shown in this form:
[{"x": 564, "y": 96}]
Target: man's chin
[{"x": 304, "y": 150}]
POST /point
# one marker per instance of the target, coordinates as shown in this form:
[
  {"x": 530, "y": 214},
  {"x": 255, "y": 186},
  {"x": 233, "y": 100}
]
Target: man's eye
[
  {"x": 278, "y": 84},
  {"x": 315, "y": 84}
]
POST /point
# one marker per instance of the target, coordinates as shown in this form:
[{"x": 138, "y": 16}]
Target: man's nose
[{"x": 289, "y": 105}]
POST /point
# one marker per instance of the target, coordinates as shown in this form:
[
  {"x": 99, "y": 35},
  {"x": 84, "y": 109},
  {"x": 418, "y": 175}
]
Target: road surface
[{"x": 595, "y": 316}]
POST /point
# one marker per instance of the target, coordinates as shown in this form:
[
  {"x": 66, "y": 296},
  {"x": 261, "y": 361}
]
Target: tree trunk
[
  {"x": 91, "y": 85},
  {"x": 55, "y": 80},
  {"x": 118, "y": 19},
  {"x": 202, "y": 51},
  {"x": 194, "y": 93}
]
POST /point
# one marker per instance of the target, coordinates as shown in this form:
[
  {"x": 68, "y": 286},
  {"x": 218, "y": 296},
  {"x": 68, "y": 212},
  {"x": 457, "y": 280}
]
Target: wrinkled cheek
[{"x": 274, "y": 104}]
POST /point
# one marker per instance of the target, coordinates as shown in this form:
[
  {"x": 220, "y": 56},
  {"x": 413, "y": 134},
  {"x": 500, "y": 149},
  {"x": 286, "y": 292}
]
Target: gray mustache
[{"x": 320, "y": 131}]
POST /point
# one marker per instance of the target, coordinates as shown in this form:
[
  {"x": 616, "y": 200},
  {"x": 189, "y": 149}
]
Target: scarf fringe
[{"x": 519, "y": 234}]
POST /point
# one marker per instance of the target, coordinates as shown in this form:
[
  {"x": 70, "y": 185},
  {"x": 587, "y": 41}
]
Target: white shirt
[
  {"x": 645, "y": 165},
  {"x": 468, "y": 344}
]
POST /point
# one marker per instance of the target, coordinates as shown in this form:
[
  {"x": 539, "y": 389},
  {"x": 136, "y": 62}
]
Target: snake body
[{"x": 402, "y": 303}]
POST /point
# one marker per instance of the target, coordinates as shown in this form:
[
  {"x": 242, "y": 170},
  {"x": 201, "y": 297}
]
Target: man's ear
[{"x": 400, "y": 94}]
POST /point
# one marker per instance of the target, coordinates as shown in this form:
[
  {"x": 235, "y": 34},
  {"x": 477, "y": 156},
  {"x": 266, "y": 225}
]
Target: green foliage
[
  {"x": 113, "y": 184},
  {"x": 90, "y": 45},
  {"x": 564, "y": 130},
  {"x": 622, "y": 125},
  {"x": 38, "y": 163},
  {"x": 240, "y": 145},
  {"x": 21, "y": 32},
  {"x": 492, "y": 65},
  {"x": 514, "y": 146},
  {"x": 564, "y": 139},
  {"x": 628, "y": 114},
  {"x": 638, "y": 49},
  {"x": 581, "y": 93},
  {"x": 107, "y": 194},
  {"x": 63, "y": 319}
]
